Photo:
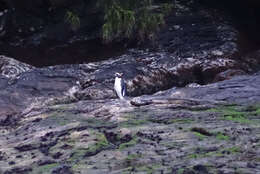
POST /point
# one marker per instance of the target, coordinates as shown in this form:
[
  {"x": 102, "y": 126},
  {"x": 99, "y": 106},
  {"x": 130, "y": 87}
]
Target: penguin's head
[{"x": 119, "y": 75}]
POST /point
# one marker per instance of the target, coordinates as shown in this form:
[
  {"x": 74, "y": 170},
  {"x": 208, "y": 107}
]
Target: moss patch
[
  {"x": 131, "y": 143},
  {"x": 101, "y": 144},
  {"x": 180, "y": 171},
  {"x": 132, "y": 160},
  {"x": 201, "y": 133},
  {"x": 220, "y": 136},
  {"x": 237, "y": 119},
  {"x": 233, "y": 113},
  {"x": 80, "y": 153},
  {"x": 200, "y": 136},
  {"x": 148, "y": 169},
  {"x": 218, "y": 153},
  {"x": 44, "y": 169},
  {"x": 132, "y": 157},
  {"x": 257, "y": 112},
  {"x": 133, "y": 123},
  {"x": 77, "y": 155},
  {"x": 58, "y": 118},
  {"x": 232, "y": 150}
]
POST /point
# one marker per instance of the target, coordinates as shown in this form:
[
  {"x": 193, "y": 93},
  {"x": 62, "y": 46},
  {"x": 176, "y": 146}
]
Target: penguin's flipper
[{"x": 123, "y": 89}]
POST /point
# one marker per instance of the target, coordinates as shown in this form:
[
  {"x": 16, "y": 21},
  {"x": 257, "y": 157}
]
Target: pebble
[
  {"x": 176, "y": 27},
  {"x": 217, "y": 53}
]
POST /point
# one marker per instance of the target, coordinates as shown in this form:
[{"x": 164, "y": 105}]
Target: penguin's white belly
[{"x": 118, "y": 87}]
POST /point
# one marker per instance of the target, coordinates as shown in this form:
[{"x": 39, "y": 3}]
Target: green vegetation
[
  {"x": 256, "y": 109},
  {"x": 79, "y": 153},
  {"x": 148, "y": 169},
  {"x": 133, "y": 142},
  {"x": 133, "y": 123},
  {"x": 233, "y": 113},
  {"x": 200, "y": 136},
  {"x": 134, "y": 119},
  {"x": 131, "y": 160},
  {"x": 232, "y": 150},
  {"x": 101, "y": 144},
  {"x": 132, "y": 157},
  {"x": 44, "y": 169},
  {"x": 213, "y": 110},
  {"x": 219, "y": 153},
  {"x": 257, "y": 112},
  {"x": 238, "y": 119},
  {"x": 111, "y": 19},
  {"x": 57, "y": 118},
  {"x": 180, "y": 171},
  {"x": 220, "y": 136},
  {"x": 132, "y": 18},
  {"x": 73, "y": 20},
  {"x": 201, "y": 133}
]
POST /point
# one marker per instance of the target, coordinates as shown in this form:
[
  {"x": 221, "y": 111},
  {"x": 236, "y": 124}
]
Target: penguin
[{"x": 119, "y": 85}]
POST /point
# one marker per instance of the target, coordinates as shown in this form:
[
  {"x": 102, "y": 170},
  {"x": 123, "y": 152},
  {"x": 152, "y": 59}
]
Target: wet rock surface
[
  {"x": 207, "y": 129},
  {"x": 195, "y": 31}
]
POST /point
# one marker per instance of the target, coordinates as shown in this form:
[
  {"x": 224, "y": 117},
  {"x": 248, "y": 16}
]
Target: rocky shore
[
  {"x": 205, "y": 129},
  {"x": 192, "y": 106}
]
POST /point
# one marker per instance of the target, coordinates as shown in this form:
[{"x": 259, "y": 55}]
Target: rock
[
  {"x": 11, "y": 163},
  {"x": 45, "y": 161},
  {"x": 193, "y": 85},
  {"x": 63, "y": 169},
  {"x": 228, "y": 74},
  {"x": 183, "y": 128},
  {"x": 22, "y": 170},
  {"x": 251, "y": 61},
  {"x": 26, "y": 147},
  {"x": 8, "y": 119},
  {"x": 201, "y": 169},
  {"x": 217, "y": 53},
  {"x": 229, "y": 90},
  {"x": 11, "y": 68},
  {"x": 201, "y": 36},
  {"x": 139, "y": 102},
  {"x": 201, "y": 131}
]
